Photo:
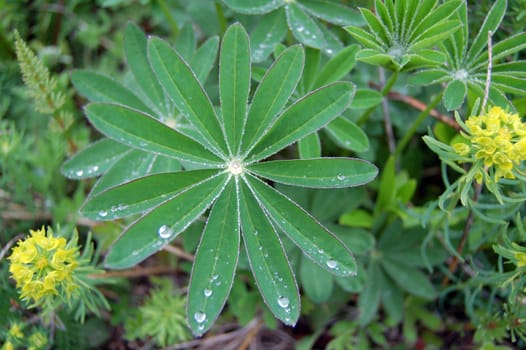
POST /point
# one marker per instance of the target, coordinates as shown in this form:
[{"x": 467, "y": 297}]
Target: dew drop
[
  {"x": 301, "y": 29},
  {"x": 95, "y": 168},
  {"x": 199, "y": 317},
  {"x": 331, "y": 264},
  {"x": 207, "y": 292},
  {"x": 341, "y": 177},
  {"x": 329, "y": 51},
  {"x": 201, "y": 327},
  {"x": 215, "y": 277},
  {"x": 79, "y": 172},
  {"x": 165, "y": 231},
  {"x": 103, "y": 213},
  {"x": 283, "y": 302}
]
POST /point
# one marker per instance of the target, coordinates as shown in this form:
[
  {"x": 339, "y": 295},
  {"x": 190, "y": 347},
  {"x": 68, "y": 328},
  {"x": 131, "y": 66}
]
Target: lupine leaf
[
  {"x": 186, "y": 42},
  {"x": 94, "y": 160},
  {"x": 143, "y": 132},
  {"x": 307, "y": 115},
  {"x": 318, "y": 173},
  {"x": 162, "y": 224},
  {"x": 187, "y": 93},
  {"x": 142, "y": 163},
  {"x": 100, "y": 88},
  {"x": 234, "y": 84},
  {"x": 316, "y": 282},
  {"x": 204, "y": 58},
  {"x": 502, "y": 49},
  {"x": 337, "y": 67},
  {"x": 332, "y": 12},
  {"x": 136, "y": 56},
  {"x": 409, "y": 278},
  {"x": 365, "y": 38},
  {"x": 304, "y": 27},
  {"x": 215, "y": 262},
  {"x": 268, "y": 33},
  {"x": 268, "y": 261},
  {"x": 141, "y": 194},
  {"x": 310, "y": 146},
  {"x": 348, "y": 135},
  {"x": 365, "y": 98},
  {"x": 376, "y": 26},
  {"x": 310, "y": 72},
  {"x": 370, "y": 297},
  {"x": 272, "y": 94},
  {"x": 454, "y": 94},
  {"x": 316, "y": 242},
  {"x": 254, "y": 7}
]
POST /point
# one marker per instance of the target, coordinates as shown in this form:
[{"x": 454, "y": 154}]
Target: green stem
[
  {"x": 168, "y": 14},
  {"x": 221, "y": 17},
  {"x": 419, "y": 120},
  {"x": 385, "y": 90}
]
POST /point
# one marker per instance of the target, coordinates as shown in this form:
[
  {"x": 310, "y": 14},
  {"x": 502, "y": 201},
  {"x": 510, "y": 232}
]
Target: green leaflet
[
  {"x": 348, "y": 135},
  {"x": 215, "y": 262},
  {"x": 307, "y": 115},
  {"x": 204, "y": 58},
  {"x": 268, "y": 261},
  {"x": 187, "y": 93},
  {"x": 143, "y": 132},
  {"x": 94, "y": 159},
  {"x": 310, "y": 146},
  {"x": 304, "y": 27},
  {"x": 331, "y": 11},
  {"x": 136, "y": 56},
  {"x": 141, "y": 194},
  {"x": 163, "y": 223},
  {"x": 234, "y": 84},
  {"x": 100, "y": 88},
  {"x": 254, "y": 7},
  {"x": 316, "y": 282},
  {"x": 269, "y": 32},
  {"x": 318, "y": 173},
  {"x": 315, "y": 241},
  {"x": 272, "y": 94}
]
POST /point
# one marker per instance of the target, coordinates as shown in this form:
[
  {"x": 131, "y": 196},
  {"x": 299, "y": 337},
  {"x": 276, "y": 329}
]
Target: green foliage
[{"x": 161, "y": 317}]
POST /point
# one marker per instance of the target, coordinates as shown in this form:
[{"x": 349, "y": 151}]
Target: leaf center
[{"x": 236, "y": 167}]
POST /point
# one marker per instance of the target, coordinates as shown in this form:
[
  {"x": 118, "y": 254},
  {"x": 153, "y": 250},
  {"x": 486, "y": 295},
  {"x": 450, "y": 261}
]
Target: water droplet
[
  {"x": 329, "y": 51},
  {"x": 122, "y": 206},
  {"x": 165, "y": 231},
  {"x": 95, "y": 168},
  {"x": 199, "y": 317},
  {"x": 215, "y": 277},
  {"x": 301, "y": 29},
  {"x": 103, "y": 213},
  {"x": 207, "y": 292},
  {"x": 255, "y": 233},
  {"x": 283, "y": 302},
  {"x": 341, "y": 177},
  {"x": 321, "y": 251},
  {"x": 331, "y": 264},
  {"x": 201, "y": 327},
  {"x": 79, "y": 172}
]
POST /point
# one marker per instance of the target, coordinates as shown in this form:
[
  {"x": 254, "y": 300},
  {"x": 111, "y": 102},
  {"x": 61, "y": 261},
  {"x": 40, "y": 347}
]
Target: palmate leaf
[{"x": 225, "y": 150}]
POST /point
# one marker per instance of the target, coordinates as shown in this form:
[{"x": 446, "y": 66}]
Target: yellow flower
[
  {"x": 8, "y": 346},
  {"x": 43, "y": 266},
  {"x": 521, "y": 259},
  {"x": 498, "y": 139},
  {"x": 15, "y": 331}
]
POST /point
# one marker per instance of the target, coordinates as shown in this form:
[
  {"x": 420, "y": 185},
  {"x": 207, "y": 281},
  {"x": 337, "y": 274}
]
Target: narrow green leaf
[
  {"x": 141, "y": 194},
  {"x": 424, "y": 8},
  {"x": 215, "y": 262},
  {"x": 454, "y": 94},
  {"x": 491, "y": 23},
  {"x": 162, "y": 224},
  {"x": 142, "y": 163},
  {"x": 387, "y": 190},
  {"x": 303, "y": 27},
  {"x": 516, "y": 68},
  {"x": 316, "y": 242},
  {"x": 365, "y": 38},
  {"x": 234, "y": 83},
  {"x": 268, "y": 33},
  {"x": 143, "y": 132},
  {"x": 268, "y": 261},
  {"x": 136, "y": 56},
  {"x": 428, "y": 77},
  {"x": 409, "y": 278},
  {"x": 374, "y": 57},
  {"x": 370, "y": 296},
  {"x": 334, "y": 44},
  {"x": 316, "y": 282},
  {"x": 332, "y": 12},
  {"x": 337, "y": 67},
  {"x": 272, "y": 94},
  {"x": 502, "y": 49},
  {"x": 379, "y": 29},
  {"x": 254, "y": 7},
  {"x": 437, "y": 15},
  {"x": 187, "y": 93},
  {"x": 317, "y": 173},
  {"x": 93, "y": 160},
  {"x": 384, "y": 15},
  {"x": 307, "y": 115},
  {"x": 434, "y": 34},
  {"x": 186, "y": 42},
  {"x": 348, "y": 135},
  {"x": 100, "y": 88},
  {"x": 204, "y": 58},
  {"x": 366, "y": 98},
  {"x": 310, "y": 72},
  {"x": 310, "y": 146},
  {"x": 508, "y": 83}
]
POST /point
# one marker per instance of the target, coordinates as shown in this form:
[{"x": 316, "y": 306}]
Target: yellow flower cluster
[
  {"x": 498, "y": 138},
  {"x": 43, "y": 266}
]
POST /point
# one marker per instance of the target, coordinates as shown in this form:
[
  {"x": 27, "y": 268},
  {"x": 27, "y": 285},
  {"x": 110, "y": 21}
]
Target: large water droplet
[
  {"x": 341, "y": 177},
  {"x": 199, "y": 317},
  {"x": 283, "y": 302},
  {"x": 207, "y": 292},
  {"x": 79, "y": 172},
  {"x": 165, "y": 231},
  {"x": 103, "y": 213},
  {"x": 331, "y": 264}
]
